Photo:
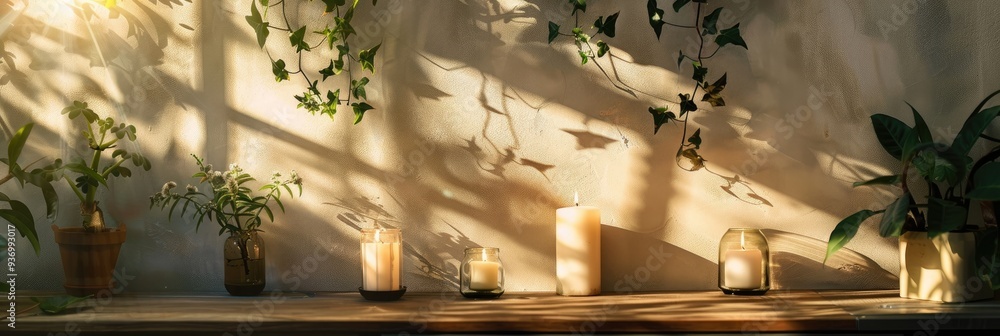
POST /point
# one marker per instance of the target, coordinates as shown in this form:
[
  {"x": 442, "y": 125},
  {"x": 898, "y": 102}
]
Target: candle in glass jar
[
  {"x": 485, "y": 275},
  {"x": 381, "y": 264},
  {"x": 744, "y": 268},
  {"x": 578, "y": 250}
]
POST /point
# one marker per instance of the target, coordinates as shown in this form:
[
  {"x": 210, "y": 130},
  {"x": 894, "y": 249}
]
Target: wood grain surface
[{"x": 348, "y": 313}]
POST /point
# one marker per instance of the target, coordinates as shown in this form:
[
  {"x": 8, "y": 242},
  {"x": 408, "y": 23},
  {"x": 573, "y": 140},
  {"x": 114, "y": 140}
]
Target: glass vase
[
  {"x": 244, "y": 269},
  {"x": 482, "y": 275},
  {"x": 744, "y": 262}
]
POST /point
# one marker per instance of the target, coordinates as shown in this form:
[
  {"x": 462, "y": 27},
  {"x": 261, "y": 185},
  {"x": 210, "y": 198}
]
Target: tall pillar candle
[
  {"x": 578, "y": 251},
  {"x": 380, "y": 259}
]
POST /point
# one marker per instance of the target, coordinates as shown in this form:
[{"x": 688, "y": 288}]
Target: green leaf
[
  {"x": 687, "y": 105},
  {"x": 608, "y": 26},
  {"x": 892, "y": 134},
  {"x": 660, "y": 116},
  {"x": 580, "y": 5},
  {"x": 56, "y": 304},
  {"x": 655, "y": 16},
  {"x": 695, "y": 139},
  {"x": 940, "y": 165},
  {"x": 17, "y": 144},
  {"x": 713, "y": 93},
  {"x": 894, "y": 217},
  {"x": 333, "y": 99},
  {"x": 367, "y": 58},
  {"x": 359, "y": 111},
  {"x": 678, "y": 4},
  {"x": 20, "y": 216},
  {"x": 297, "y": 38},
  {"x": 920, "y": 126},
  {"x": 944, "y": 216},
  {"x": 278, "y": 69},
  {"x": 258, "y": 24},
  {"x": 358, "y": 88},
  {"x": 986, "y": 186},
  {"x": 553, "y": 31},
  {"x": 730, "y": 36},
  {"x": 708, "y": 25},
  {"x": 329, "y": 71},
  {"x": 699, "y": 72},
  {"x": 845, "y": 230},
  {"x": 584, "y": 57},
  {"x": 332, "y": 5},
  {"x": 602, "y": 48},
  {"x": 886, "y": 180},
  {"x": 51, "y": 199},
  {"x": 973, "y": 127},
  {"x": 329, "y": 35},
  {"x": 697, "y": 162}
]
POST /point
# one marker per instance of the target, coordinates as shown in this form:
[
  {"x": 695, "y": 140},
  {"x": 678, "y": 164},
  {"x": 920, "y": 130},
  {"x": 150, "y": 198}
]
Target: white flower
[{"x": 192, "y": 189}]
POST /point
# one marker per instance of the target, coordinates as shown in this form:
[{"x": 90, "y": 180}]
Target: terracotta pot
[
  {"x": 88, "y": 258},
  {"x": 942, "y": 268}
]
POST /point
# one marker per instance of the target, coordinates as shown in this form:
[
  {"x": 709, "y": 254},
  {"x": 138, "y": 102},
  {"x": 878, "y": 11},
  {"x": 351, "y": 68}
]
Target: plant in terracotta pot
[
  {"x": 237, "y": 210},
  {"x": 18, "y": 214},
  {"x": 89, "y": 252},
  {"x": 942, "y": 256}
]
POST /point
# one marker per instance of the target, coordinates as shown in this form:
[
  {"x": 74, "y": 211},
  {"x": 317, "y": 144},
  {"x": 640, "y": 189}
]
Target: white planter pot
[{"x": 940, "y": 269}]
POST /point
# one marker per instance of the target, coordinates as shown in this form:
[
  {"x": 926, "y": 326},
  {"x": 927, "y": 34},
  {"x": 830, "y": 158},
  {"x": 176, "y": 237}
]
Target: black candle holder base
[
  {"x": 474, "y": 294},
  {"x": 390, "y": 295},
  {"x": 747, "y": 292}
]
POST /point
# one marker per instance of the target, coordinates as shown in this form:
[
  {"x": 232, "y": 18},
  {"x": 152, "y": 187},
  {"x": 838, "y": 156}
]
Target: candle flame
[
  {"x": 743, "y": 241},
  {"x": 576, "y": 198},
  {"x": 484, "y": 254},
  {"x": 376, "y": 235}
]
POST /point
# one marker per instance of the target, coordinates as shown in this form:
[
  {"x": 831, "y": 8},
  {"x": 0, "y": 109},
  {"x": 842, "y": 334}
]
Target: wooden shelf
[{"x": 429, "y": 313}]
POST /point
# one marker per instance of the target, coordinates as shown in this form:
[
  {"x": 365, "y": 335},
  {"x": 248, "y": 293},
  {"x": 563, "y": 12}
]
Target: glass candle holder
[
  {"x": 381, "y": 256},
  {"x": 744, "y": 262},
  {"x": 482, "y": 273}
]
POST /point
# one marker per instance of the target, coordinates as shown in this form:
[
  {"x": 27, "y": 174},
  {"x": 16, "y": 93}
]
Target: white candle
[
  {"x": 381, "y": 265},
  {"x": 578, "y": 250},
  {"x": 485, "y": 275},
  {"x": 744, "y": 268}
]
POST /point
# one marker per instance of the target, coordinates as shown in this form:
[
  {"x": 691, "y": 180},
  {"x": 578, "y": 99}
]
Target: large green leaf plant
[
  {"x": 954, "y": 182},
  {"x": 17, "y": 213}
]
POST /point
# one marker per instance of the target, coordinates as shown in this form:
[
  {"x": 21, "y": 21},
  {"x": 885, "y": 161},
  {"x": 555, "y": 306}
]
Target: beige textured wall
[{"x": 482, "y": 129}]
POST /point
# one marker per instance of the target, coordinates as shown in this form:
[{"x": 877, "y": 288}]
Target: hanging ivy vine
[
  {"x": 708, "y": 31},
  {"x": 335, "y": 34}
]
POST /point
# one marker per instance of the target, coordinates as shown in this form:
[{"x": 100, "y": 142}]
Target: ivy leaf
[
  {"x": 886, "y": 180},
  {"x": 655, "y": 17},
  {"x": 278, "y": 69},
  {"x": 608, "y": 26},
  {"x": 697, "y": 162},
  {"x": 987, "y": 183},
  {"x": 331, "y": 5},
  {"x": 297, "y": 39},
  {"x": 944, "y": 215},
  {"x": 844, "y": 231},
  {"x": 359, "y": 111},
  {"x": 358, "y": 88},
  {"x": 580, "y": 5},
  {"x": 678, "y": 4},
  {"x": 329, "y": 35},
  {"x": 602, "y": 48},
  {"x": 695, "y": 139},
  {"x": 894, "y": 217},
  {"x": 258, "y": 24},
  {"x": 708, "y": 24},
  {"x": 332, "y": 100},
  {"x": 553, "y": 31},
  {"x": 330, "y": 70},
  {"x": 583, "y": 57},
  {"x": 687, "y": 105},
  {"x": 660, "y": 116},
  {"x": 731, "y": 36},
  {"x": 713, "y": 93},
  {"x": 699, "y": 72},
  {"x": 367, "y": 58}
]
